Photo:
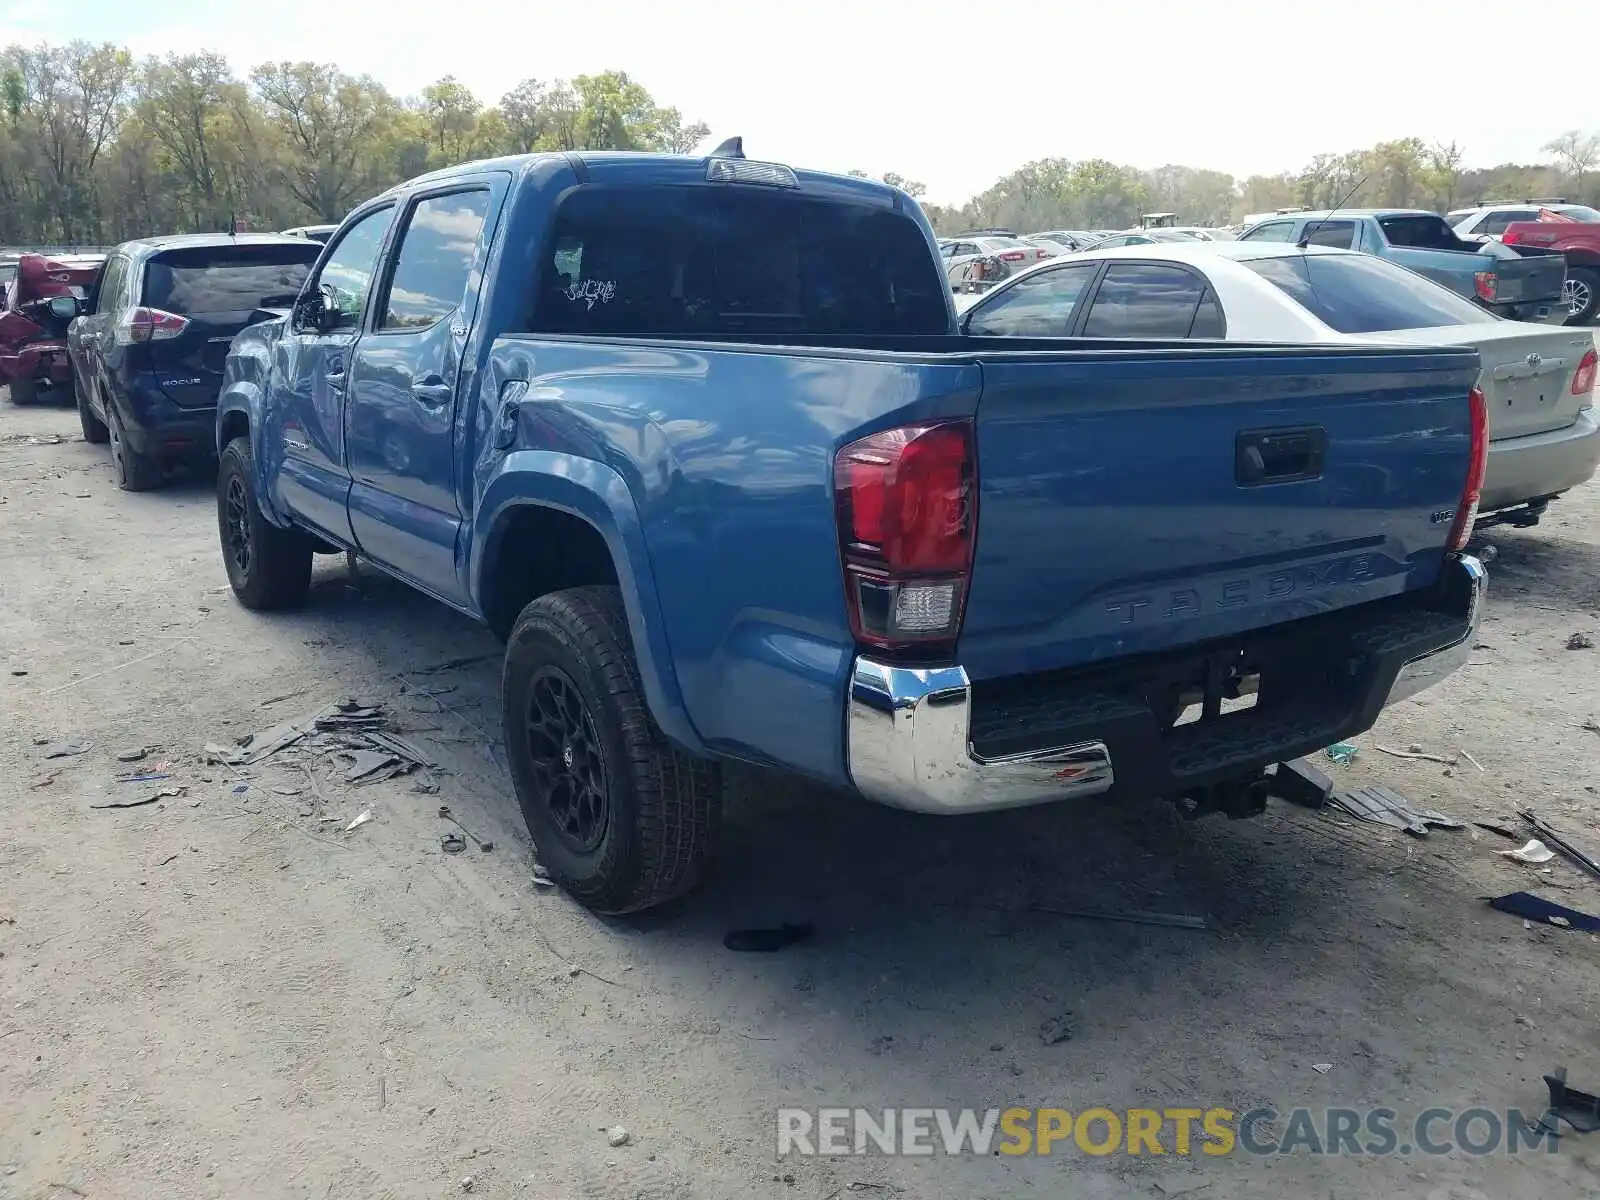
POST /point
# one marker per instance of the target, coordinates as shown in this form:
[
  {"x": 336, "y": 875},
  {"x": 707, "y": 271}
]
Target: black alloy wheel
[{"x": 568, "y": 760}]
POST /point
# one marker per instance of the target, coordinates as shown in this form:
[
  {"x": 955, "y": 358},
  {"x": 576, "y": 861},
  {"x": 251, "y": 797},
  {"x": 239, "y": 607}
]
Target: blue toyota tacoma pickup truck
[{"x": 698, "y": 437}]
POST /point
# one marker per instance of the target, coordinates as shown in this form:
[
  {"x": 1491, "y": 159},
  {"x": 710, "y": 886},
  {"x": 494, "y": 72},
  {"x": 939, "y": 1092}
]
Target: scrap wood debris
[{"x": 358, "y": 736}]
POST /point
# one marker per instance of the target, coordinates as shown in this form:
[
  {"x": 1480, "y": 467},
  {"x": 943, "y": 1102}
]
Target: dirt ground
[{"x": 223, "y": 995}]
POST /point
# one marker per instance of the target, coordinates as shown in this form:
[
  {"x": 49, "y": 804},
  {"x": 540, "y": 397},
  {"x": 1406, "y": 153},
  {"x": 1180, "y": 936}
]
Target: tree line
[
  {"x": 97, "y": 147},
  {"x": 1058, "y": 193}
]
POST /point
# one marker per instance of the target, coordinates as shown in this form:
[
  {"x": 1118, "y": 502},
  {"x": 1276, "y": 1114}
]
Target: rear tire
[
  {"x": 94, "y": 429},
  {"x": 135, "y": 472},
  {"x": 23, "y": 391},
  {"x": 268, "y": 568},
  {"x": 1583, "y": 289},
  {"x": 621, "y": 818}
]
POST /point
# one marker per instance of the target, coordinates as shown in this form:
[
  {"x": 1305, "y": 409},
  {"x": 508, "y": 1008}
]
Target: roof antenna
[
  {"x": 1305, "y": 238},
  {"x": 732, "y": 148}
]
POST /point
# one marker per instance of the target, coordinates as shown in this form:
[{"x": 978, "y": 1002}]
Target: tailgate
[
  {"x": 1132, "y": 501},
  {"x": 1526, "y": 278}
]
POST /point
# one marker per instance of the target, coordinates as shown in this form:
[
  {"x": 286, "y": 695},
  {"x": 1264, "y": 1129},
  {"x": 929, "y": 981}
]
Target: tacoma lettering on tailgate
[{"x": 1171, "y": 604}]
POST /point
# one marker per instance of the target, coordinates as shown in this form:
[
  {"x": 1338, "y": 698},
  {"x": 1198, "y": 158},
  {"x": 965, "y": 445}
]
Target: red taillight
[
  {"x": 1583, "y": 379},
  {"x": 1041, "y": 253},
  {"x": 1013, "y": 256},
  {"x": 149, "y": 325},
  {"x": 1472, "y": 491},
  {"x": 906, "y": 503},
  {"x": 1484, "y": 282}
]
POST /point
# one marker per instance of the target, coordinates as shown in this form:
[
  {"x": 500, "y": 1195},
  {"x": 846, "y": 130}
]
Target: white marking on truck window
[{"x": 592, "y": 291}]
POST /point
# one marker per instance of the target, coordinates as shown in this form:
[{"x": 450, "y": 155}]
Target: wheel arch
[{"x": 547, "y": 521}]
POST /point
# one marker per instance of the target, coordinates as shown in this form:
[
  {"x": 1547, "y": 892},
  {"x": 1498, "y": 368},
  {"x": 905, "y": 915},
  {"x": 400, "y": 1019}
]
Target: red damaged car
[{"x": 33, "y": 332}]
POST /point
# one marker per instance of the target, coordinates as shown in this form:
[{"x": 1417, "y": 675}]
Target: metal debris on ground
[
  {"x": 361, "y": 819},
  {"x": 1300, "y": 783},
  {"x": 1343, "y": 753},
  {"x": 1578, "y": 1109},
  {"x": 1056, "y": 1029},
  {"x": 1584, "y": 862},
  {"x": 1385, "y": 806},
  {"x": 1131, "y": 916},
  {"x": 446, "y": 815},
  {"x": 141, "y": 776},
  {"x": 133, "y": 755},
  {"x": 452, "y": 843},
  {"x": 1580, "y": 641},
  {"x": 764, "y": 941},
  {"x": 1535, "y": 852},
  {"x": 1497, "y": 827},
  {"x": 1537, "y": 909},
  {"x": 1322, "y": 1068},
  {"x": 353, "y": 732},
  {"x": 541, "y": 877},
  {"x": 140, "y": 801},
  {"x": 69, "y": 748}
]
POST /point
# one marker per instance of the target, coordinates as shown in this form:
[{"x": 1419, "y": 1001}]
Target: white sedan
[{"x": 1538, "y": 380}]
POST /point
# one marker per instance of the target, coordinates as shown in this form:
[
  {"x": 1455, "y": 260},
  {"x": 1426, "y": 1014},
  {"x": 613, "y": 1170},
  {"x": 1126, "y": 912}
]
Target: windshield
[
  {"x": 1355, "y": 293},
  {"x": 1577, "y": 212}
]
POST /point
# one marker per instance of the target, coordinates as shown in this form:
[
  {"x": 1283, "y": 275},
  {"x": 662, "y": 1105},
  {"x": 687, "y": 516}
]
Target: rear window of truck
[
  {"x": 698, "y": 262},
  {"x": 1355, "y": 293},
  {"x": 223, "y": 279}
]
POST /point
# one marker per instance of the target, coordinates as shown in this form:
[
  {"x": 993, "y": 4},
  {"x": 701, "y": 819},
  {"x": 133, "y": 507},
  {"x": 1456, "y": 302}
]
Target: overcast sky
[{"x": 933, "y": 90}]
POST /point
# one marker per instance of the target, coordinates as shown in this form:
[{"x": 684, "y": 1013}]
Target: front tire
[
  {"x": 621, "y": 818},
  {"x": 268, "y": 568},
  {"x": 135, "y": 472},
  {"x": 1582, "y": 294}
]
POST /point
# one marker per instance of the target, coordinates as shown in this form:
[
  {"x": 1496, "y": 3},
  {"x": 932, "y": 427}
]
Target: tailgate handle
[{"x": 1279, "y": 455}]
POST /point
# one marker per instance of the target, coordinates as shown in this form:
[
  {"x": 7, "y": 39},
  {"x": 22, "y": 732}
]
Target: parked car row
[
  {"x": 1571, "y": 230},
  {"x": 708, "y": 444},
  {"x": 971, "y": 569}
]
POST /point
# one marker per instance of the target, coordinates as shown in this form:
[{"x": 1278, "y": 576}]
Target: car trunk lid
[
  {"x": 1132, "y": 502},
  {"x": 1527, "y": 375}
]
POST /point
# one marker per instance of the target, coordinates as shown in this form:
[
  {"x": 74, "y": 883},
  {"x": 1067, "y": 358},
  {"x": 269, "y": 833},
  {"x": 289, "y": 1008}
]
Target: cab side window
[{"x": 351, "y": 266}]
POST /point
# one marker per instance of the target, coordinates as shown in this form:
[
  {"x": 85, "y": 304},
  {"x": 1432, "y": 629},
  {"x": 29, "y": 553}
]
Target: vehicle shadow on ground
[
  {"x": 1544, "y": 565},
  {"x": 931, "y": 942}
]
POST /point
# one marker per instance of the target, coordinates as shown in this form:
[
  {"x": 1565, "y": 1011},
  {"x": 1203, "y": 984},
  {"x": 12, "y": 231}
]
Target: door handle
[
  {"x": 336, "y": 378},
  {"x": 432, "y": 390},
  {"x": 1279, "y": 455}
]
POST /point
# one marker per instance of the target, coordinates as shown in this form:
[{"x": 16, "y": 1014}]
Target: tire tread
[{"x": 677, "y": 796}]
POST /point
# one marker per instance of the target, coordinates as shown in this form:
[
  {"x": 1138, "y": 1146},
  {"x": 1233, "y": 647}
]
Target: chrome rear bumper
[
  {"x": 1467, "y": 586},
  {"x": 908, "y": 729}
]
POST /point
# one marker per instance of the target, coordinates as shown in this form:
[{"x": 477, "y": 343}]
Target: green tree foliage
[
  {"x": 96, "y": 147},
  {"x": 1056, "y": 193}
]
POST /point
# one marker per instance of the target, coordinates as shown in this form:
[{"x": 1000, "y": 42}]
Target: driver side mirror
[
  {"x": 317, "y": 311},
  {"x": 64, "y": 308}
]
